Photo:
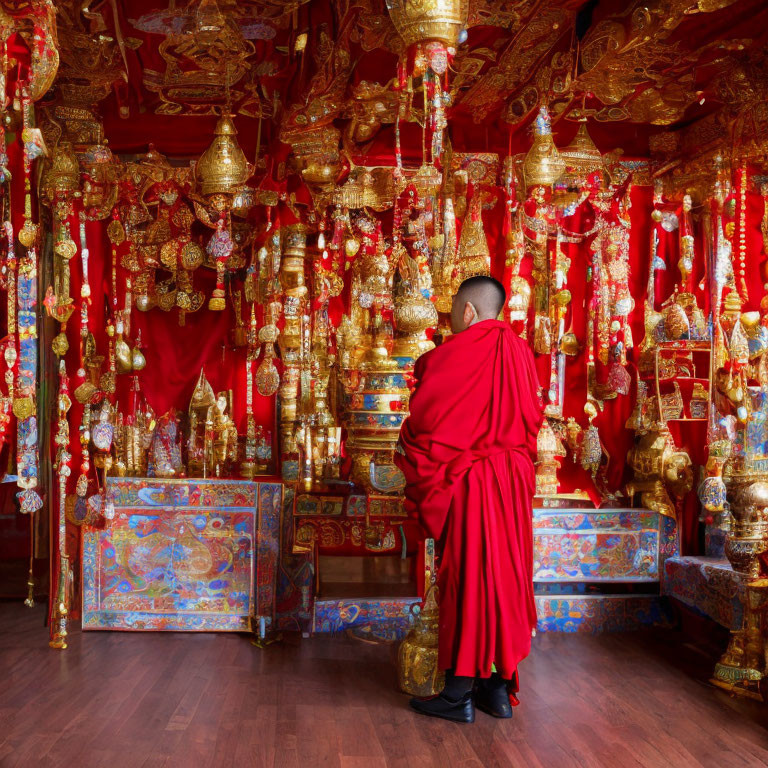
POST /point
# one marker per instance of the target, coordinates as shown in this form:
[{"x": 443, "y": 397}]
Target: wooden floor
[{"x": 151, "y": 700}]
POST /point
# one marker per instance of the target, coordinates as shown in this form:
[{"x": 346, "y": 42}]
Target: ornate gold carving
[{"x": 422, "y": 20}]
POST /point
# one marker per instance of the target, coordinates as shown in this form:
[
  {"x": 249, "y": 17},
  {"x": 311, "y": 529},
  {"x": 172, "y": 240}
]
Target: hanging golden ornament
[
  {"x": 473, "y": 257},
  {"x": 267, "y": 376},
  {"x": 222, "y": 169},
  {"x": 543, "y": 165}
]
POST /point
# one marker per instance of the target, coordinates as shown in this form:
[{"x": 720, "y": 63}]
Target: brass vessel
[{"x": 417, "y": 668}]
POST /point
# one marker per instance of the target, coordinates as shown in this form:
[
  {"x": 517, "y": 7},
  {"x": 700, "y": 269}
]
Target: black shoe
[
  {"x": 461, "y": 711},
  {"x": 492, "y": 697}
]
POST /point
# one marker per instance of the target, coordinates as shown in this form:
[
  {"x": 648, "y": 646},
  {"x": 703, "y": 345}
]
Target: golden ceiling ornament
[
  {"x": 208, "y": 52},
  {"x": 222, "y": 169},
  {"x": 517, "y": 64},
  {"x": 543, "y": 165},
  {"x": 370, "y": 106},
  {"x": 422, "y": 20}
]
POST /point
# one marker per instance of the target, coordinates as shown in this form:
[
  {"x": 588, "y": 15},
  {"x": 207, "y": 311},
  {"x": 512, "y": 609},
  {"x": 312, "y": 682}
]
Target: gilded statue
[{"x": 661, "y": 470}]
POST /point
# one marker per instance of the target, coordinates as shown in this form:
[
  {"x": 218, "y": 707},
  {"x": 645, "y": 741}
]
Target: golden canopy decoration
[
  {"x": 222, "y": 169},
  {"x": 581, "y": 157},
  {"x": 418, "y": 21}
]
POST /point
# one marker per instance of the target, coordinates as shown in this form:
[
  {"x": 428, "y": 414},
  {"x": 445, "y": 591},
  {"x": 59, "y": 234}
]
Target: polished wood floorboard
[{"x": 133, "y": 700}]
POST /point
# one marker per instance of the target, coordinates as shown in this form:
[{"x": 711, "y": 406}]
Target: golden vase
[{"x": 417, "y": 668}]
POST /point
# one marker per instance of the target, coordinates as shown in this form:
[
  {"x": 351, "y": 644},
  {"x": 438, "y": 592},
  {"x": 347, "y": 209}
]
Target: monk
[{"x": 467, "y": 452}]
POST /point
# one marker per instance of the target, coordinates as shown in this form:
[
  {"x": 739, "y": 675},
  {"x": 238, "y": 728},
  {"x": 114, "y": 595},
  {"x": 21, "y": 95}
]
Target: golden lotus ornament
[
  {"x": 222, "y": 169},
  {"x": 422, "y": 20}
]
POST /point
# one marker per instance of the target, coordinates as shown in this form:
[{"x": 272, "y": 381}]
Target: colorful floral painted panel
[
  {"x": 595, "y": 614},
  {"x": 585, "y": 545},
  {"x": 179, "y": 555}
]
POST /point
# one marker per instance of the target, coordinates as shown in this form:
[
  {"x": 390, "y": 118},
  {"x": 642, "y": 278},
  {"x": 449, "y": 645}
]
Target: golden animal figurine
[
  {"x": 417, "y": 670},
  {"x": 660, "y": 469}
]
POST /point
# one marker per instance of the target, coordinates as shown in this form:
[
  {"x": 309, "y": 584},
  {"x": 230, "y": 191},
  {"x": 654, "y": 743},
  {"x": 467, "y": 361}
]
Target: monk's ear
[{"x": 470, "y": 313}]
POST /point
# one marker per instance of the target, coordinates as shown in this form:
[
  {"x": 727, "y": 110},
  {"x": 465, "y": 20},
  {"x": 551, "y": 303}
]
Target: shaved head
[{"x": 478, "y": 298}]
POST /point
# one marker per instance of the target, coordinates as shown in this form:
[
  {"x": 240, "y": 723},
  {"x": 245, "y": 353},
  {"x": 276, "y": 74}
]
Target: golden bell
[
  {"x": 222, "y": 168},
  {"x": 418, "y": 22},
  {"x": 543, "y": 165}
]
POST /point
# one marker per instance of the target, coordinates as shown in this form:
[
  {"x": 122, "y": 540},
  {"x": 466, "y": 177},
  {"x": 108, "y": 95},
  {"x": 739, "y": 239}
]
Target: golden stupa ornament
[
  {"x": 222, "y": 169},
  {"x": 418, "y": 21},
  {"x": 543, "y": 165},
  {"x": 581, "y": 157}
]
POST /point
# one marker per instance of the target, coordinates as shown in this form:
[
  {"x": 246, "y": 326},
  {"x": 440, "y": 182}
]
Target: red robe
[{"x": 467, "y": 452}]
